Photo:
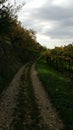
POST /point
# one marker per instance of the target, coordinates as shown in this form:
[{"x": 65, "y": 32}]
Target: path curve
[
  {"x": 8, "y": 102},
  {"x": 49, "y": 115}
]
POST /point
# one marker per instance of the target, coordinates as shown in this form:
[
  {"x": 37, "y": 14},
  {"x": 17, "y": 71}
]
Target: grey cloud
[
  {"x": 52, "y": 12},
  {"x": 60, "y": 33},
  {"x": 62, "y": 18},
  {"x": 67, "y": 22}
]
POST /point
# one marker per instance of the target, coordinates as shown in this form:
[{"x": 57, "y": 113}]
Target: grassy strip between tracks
[
  {"x": 60, "y": 91},
  {"x": 26, "y": 115}
]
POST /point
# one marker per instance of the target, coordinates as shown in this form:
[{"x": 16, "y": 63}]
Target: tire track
[
  {"x": 49, "y": 115},
  {"x": 26, "y": 114},
  {"x": 8, "y": 102}
]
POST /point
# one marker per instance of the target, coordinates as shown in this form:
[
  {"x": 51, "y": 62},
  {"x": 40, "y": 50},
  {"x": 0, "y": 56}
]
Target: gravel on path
[
  {"x": 8, "y": 102},
  {"x": 49, "y": 115}
]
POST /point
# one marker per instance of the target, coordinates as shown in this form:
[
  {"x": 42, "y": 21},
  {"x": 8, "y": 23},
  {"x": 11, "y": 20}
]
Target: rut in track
[
  {"x": 49, "y": 115},
  {"x": 8, "y": 102}
]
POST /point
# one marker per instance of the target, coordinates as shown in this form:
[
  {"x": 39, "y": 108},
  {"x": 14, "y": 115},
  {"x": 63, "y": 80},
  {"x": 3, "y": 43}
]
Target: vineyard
[{"x": 61, "y": 58}]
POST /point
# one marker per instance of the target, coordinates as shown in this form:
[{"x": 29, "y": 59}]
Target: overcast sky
[{"x": 51, "y": 19}]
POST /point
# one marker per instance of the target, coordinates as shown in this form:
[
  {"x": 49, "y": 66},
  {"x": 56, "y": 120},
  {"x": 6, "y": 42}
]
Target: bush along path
[{"x": 50, "y": 117}]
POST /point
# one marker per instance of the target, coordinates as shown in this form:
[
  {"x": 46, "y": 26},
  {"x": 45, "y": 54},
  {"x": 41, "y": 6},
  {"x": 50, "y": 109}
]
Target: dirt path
[
  {"x": 8, "y": 102},
  {"x": 49, "y": 115}
]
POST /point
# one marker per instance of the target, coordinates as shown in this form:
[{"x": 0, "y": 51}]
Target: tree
[{"x": 7, "y": 17}]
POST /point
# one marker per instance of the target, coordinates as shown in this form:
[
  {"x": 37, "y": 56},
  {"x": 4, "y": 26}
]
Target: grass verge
[{"x": 60, "y": 91}]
